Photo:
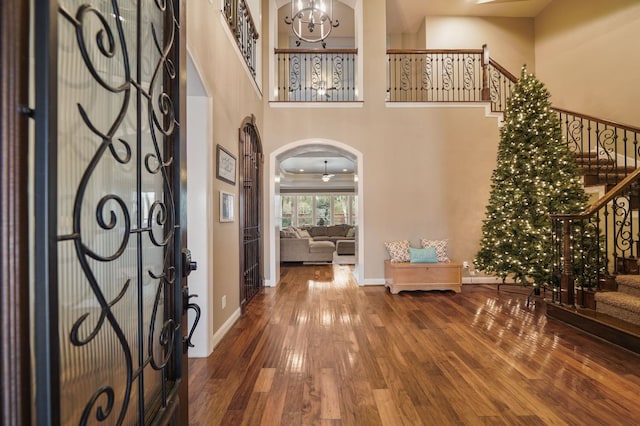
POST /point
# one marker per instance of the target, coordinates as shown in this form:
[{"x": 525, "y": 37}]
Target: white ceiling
[{"x": 313, "y": 163}]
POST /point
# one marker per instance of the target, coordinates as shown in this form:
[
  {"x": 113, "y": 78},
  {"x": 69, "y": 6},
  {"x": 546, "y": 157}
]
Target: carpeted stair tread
[
  {"x": 620, "y": 305},
  {"x": 629, "y": 284}
]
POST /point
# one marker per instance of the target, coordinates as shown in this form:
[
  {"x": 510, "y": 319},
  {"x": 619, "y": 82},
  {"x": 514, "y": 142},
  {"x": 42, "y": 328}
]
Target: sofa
[{"x": 316, "y": 243}]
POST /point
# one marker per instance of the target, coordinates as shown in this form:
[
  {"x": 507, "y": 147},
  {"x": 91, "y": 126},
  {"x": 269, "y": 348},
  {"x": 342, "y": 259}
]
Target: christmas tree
[{"x": 536, "y": 176}]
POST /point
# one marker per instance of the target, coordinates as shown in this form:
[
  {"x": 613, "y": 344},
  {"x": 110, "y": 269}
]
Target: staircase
[
  {"x": 607, "y": 156},
  {"x": 623, "y": 304},
  {"x": 598, "y": 171}
]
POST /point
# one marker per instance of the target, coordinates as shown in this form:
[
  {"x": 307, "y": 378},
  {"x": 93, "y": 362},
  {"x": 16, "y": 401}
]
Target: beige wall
[
  {"x": 426, "y": 170},
  {"x": 510, "y": 40},
  {"x": 234, "y": 98},
  {"x": 587, "y": 55}
]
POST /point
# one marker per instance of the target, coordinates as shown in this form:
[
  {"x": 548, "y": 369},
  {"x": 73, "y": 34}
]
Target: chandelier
[{"x": 311, "y": 20}]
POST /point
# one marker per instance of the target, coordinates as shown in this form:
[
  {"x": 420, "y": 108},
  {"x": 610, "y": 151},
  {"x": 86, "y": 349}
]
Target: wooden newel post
[
  {"x": 566, "y": 282},
  {"x": 486, "y": 93}
]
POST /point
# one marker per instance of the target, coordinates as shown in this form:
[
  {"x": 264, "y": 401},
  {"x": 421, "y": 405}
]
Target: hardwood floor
[{"x": 318, "y": 349}]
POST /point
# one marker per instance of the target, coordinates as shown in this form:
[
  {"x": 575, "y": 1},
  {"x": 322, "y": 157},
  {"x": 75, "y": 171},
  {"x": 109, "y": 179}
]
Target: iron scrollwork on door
[{"x": 117, "y": 218}]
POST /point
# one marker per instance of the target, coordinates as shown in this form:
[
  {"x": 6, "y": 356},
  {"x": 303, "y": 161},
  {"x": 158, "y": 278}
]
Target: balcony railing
[
  {"x": 238, "y": 16},
  {"x": 310, "y": 75},
  {"x": 607, "y": 151},
  {"x": 467, "y": 75}
]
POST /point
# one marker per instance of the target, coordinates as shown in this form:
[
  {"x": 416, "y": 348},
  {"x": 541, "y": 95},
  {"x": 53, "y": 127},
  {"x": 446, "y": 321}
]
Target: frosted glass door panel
[{"x": 116, "y": 225}]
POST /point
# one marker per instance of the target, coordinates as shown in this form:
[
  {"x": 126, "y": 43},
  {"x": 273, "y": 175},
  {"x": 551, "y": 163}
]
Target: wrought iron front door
[{"x": 108, "y": 138}]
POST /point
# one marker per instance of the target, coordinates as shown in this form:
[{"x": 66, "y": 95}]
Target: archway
[{"x": 298, "y": 147}]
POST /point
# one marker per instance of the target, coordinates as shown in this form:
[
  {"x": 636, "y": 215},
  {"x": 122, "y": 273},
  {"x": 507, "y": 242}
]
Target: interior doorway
[
  {"x": 307, "y": 148},
  {"x": 251, "y": 257}
]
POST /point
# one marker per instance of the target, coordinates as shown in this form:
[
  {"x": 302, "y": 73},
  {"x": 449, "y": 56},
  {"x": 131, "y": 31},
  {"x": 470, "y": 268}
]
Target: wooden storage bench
[{"x": 422, "y": 276}]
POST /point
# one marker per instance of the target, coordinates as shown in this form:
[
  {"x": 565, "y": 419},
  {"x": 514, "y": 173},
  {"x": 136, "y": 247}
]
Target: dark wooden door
[
  {"x": 251, "y": 257},
  {"x": 110, "y": 231}
]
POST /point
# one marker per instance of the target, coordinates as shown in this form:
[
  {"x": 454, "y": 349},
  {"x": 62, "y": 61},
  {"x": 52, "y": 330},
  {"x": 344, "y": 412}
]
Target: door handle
[
  {"x": 190, "y": 305},
  {"x": 188, "y": 265}
]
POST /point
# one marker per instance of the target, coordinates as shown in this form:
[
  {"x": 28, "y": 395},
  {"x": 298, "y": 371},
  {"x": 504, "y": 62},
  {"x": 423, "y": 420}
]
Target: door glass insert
[{"x": 116, "y": 218}]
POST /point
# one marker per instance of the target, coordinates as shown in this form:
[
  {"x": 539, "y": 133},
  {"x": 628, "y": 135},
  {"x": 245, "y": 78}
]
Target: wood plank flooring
[{"x": 318, "y": 349}]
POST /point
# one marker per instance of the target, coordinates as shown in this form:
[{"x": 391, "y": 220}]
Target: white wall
[{"x": 199, "y": 215}]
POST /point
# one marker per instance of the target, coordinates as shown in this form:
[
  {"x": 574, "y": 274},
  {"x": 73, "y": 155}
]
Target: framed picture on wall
[
  {"x": 226, "y": 207},
  {"x": 225, "y": 166}
]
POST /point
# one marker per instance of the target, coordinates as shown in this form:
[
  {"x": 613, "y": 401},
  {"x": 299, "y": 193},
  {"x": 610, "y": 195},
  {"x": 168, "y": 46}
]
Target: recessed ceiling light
[
  {"x": 301, "y": 170},
  {"x": 345, "y": 170}
]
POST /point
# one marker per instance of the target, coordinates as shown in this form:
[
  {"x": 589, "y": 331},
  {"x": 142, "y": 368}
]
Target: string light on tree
[{"x": 535, "y": 176}]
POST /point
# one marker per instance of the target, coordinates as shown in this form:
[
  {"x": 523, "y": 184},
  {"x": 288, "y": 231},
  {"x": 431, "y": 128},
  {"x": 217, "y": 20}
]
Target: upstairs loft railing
[
  {"x": 448, "y": 75},
  {"x": 316, "y": 75},
  {"x": 240, "y": 21},
  {"x": 607, "y": 153}
]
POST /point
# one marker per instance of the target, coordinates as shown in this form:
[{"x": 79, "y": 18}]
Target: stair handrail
[
  {"x": 566, "y": 277},
  {"x": 503, "y": 70},
  {"x": 600, "y": 120}
]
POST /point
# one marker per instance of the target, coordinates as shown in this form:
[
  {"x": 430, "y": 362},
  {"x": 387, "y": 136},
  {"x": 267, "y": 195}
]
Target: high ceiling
[{"x": 405, "y": 16}]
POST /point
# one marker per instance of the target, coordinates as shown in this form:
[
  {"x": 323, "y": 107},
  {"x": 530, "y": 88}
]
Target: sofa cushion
[
  {"x": 303, "y": 233},
  {"x": 321, "y": 247},
  {"x": 337, "y": 231},
  {"x": 288, "y": 233},
  {"x": 351, "y": 233},
  {"x": 318, "y": 231}
]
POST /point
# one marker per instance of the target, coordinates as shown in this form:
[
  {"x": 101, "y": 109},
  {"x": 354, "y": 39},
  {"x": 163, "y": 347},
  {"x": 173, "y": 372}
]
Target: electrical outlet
[
  {"x": 224, "y": 302},
  {"x": 465, "y": 264}
]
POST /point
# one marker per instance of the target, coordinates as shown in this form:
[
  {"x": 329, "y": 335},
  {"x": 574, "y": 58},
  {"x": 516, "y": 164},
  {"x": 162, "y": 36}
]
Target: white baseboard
[
  {"x": 197, "y": 354},
  {"x": 482, "y": 280},
  {"x": 218, "y": 335},
  {"x": 372, "y": 281}
]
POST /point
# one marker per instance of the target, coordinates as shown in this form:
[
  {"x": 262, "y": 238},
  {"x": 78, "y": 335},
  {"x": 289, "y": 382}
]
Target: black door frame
[{"x": 15, "y": 365}]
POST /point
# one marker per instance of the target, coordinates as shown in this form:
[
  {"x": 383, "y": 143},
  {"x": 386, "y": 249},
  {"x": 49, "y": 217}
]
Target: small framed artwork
[
  {"x": 226, "y": 207},
  {"x": 225, "y": 165}
]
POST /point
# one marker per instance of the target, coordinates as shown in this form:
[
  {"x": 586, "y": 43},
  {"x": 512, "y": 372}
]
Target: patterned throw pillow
[
  {"x": 398, "y": 250},
  {"x": 288, "y": 233},
  {"x": 440, "y": 246}
]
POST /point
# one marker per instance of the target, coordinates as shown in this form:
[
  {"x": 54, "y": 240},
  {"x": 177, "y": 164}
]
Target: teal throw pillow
[{"x": 423, "y": 255}]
